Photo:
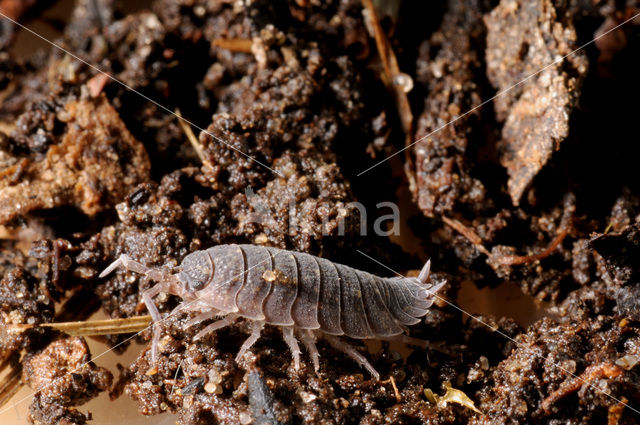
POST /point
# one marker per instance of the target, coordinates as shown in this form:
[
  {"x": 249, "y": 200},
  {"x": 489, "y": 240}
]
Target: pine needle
[
  {"x": 96, "y": 327},
  {"x": 11, "y": 385}
]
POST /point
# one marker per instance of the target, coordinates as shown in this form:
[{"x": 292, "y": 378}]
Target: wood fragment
[
  {"x": 615, "y": 412},
  {"x": 392, "y": 80},
  {"x": 467, "y": 233},
  {"x": 512, "y": 260},
  {"x": 590, "y": 374},
  {"x": 392, "y": 381},
  {"x": 95, "y": 327},
  {"x": 97, "y": 83},
  {"x": 188, "y": 131},
  {"x": 236, "y": 45},
  {"x": 11, "y": 385}
]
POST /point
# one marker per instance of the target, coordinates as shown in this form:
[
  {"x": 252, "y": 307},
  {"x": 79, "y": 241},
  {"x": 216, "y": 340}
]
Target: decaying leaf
[{"x": 526, "y": 43}]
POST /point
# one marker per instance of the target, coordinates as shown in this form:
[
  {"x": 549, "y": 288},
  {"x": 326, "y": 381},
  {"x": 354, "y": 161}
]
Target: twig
[
  {"x": 512, "y": 260},
  {"x": 11, "y": 385},
  {"x": 391, "y": 70},
  {"x": 186, "y": 128},
  {"x": 505, "y": 260},
  {"x": 392, "y": 381},
  {"x": 467, "y": 233},
  {"x": 95, "y": 327},
  {"x": 393, "y": 77},
  {"x": 591, "y": 373}
]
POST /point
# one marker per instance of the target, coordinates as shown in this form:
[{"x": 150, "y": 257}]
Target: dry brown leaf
[{"x": 523, "y": 38}]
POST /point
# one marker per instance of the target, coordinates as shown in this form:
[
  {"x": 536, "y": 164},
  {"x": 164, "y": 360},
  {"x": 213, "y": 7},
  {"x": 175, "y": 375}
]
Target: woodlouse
[{"x": 305, "y": 295}]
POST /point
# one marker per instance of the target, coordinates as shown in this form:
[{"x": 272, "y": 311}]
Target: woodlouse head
[{"x": 197, "y": 270}]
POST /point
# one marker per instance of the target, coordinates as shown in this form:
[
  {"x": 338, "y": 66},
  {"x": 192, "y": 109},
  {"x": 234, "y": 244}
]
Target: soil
[{"x": 289, "y": 102}]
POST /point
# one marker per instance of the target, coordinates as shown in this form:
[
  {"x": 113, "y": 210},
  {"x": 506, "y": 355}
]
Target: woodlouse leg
[
  {"x": 256, "y": 328},
  {"x": 291, "y": 341},
  {"x": 189, "y": 305},
  {"x": 219, "y": 324},
  {"x": 423, "y": 277},
  {"x": 353, "y": 353},
  {"x": 169, "y": 285},
  {"x": 309, "y": 340},
  {"x": 416, "y": 342},
  {"x": 155, "y": 315},
  {"x": 209, "y": 314}
]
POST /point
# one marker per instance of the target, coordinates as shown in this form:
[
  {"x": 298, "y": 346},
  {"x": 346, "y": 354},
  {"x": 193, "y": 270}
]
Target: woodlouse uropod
[{"x": 306, "y": 296}]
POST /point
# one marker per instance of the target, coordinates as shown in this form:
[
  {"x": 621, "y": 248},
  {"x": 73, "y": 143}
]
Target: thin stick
[
  {"x": 392, "y": 381},
  {"x": 467, "y": 233},
  {"x": 392, "y": 73},
  {"x": 96, "y": 327},
  {"x": 193, "y": 139},
  {"x": 506, "y": 260},
  {"x": 511, "y": 260}
]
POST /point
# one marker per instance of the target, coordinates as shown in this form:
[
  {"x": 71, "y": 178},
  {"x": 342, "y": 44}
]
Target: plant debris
[
  {"x": 97, "y": 327},
  {"x": 452, "y": 395},
  {"x": 526, "y": 46}
]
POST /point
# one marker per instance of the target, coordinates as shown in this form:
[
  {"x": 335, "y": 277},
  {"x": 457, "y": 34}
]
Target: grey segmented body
[{"x": 305, "y": 295}]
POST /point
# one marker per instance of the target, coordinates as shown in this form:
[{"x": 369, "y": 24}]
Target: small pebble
[
  {"x": 210, "y": 387},
  {"x": 307, "y": 397},
  {"x": 187, "y": 402},
  {"x": 245, "y": 418},
  {"x": 628, "y": 362},
  {"x": 269, "y": 276}
]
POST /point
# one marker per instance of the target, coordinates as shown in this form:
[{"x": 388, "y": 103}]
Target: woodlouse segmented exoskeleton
[{"x": 305, "y": 295}]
